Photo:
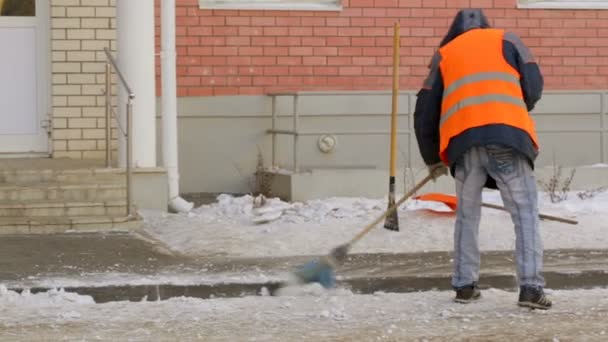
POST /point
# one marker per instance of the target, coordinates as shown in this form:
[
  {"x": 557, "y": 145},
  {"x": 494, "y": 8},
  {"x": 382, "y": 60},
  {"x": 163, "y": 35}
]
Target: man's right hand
[{"x": 437, "y": 170}]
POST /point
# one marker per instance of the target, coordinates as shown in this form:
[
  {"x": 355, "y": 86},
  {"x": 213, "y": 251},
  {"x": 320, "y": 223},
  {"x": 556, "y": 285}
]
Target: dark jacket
[{"x": 429, "y": 98}]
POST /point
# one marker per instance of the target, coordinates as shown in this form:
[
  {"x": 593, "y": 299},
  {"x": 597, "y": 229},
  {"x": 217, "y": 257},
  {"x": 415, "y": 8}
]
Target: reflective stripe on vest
[
  {"x": 481, "y": 88},
  {"x": 475, "y": 100},
  {"x": 480, "y": 76}
]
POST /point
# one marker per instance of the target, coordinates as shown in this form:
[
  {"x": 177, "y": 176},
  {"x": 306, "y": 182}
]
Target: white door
[{"x": 24, "y": 91}]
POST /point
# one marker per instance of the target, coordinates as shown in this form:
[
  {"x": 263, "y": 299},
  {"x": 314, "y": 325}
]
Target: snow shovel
[
  {"x": 392, "y": 220},
  {"x": 322, "y": 270},
  {"x": 451, "y": 201}
]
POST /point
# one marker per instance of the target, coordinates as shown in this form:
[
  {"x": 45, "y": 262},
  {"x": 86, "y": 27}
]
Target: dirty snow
[
  {"x": 200, "y": 276},
  {"x": 52, "y": 298},
  {"x": 305, "y": 315},
  {"x": 228, "y": 228}
]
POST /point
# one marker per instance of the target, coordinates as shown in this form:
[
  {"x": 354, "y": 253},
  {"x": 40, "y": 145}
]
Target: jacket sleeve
[
  {"x": 521, "y": 59},
  {"x": 427, "y": 113}
]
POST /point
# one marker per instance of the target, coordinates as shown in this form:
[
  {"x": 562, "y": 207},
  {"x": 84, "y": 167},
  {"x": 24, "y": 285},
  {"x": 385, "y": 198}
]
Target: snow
[
  {"x": 52, "y": 298},
  {"x": 301, "y": 315},
  {"x": 597, "y": 165},
  {"x": 228, "y": 227},
  {"x": 193, "y": 277}
]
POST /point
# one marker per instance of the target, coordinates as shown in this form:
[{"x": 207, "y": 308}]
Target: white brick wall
[{"x": 80, "y": 29}]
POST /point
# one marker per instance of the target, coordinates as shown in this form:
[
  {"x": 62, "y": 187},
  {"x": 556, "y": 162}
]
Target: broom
[
  {"x": 392, "y": 220},
  {"x": 452, "y": 202},
  {"x": 322, "y": 270}
]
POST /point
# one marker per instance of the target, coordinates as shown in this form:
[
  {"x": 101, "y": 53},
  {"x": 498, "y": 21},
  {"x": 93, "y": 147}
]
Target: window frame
[
  {"x": 561, "y": 4},
  {"x": 272, "y": 5}
]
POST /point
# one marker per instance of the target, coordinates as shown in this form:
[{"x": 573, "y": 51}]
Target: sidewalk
[{"x": 131, "y": 266}]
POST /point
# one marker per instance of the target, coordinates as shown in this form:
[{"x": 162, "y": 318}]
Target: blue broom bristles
[{"x": 317, "y": 271}]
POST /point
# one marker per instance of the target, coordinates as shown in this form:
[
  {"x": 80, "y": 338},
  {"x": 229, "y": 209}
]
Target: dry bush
[
  {"x": 260, "y": 183},
  {"x": 409, "y": 175},
  {"x": 587, "y": 194},
  {"x": 558, "y": 185}
]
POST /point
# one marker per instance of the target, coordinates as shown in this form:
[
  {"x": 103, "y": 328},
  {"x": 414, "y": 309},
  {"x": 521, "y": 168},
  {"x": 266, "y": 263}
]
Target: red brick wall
[{"x": 255, "y": 52}]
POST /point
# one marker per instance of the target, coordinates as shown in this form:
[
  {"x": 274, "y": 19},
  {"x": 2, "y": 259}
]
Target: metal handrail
[
  {"x": 122, "y": 78},
  {"x": 111, "y": 63},
  {"x": 294, "y": 132}
]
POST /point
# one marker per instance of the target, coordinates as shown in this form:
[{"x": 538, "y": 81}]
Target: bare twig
[
  {"x": 590, "y": 193},
  {"x": 260, "y": 183},
  {"x": 558, "y": 187}
]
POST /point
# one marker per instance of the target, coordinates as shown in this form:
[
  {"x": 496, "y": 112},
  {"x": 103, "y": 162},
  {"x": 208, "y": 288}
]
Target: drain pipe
[{"x": 169, "y": 106}]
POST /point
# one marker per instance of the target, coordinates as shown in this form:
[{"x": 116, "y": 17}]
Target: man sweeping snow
[{"x": 472, "y": 115}]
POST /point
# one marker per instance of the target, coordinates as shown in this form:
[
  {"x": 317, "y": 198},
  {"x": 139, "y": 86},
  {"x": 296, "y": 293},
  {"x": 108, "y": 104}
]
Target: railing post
[
  {"x": 108, "y": 114},
  {"x": 129, "y": 153},
  {"x": 129, "y": 133},
  {"x": 274, "y": 135},
  {"x": 296, "y": 167}
]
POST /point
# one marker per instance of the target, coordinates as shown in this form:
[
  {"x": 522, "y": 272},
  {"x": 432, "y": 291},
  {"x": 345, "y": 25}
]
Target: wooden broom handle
[
  {"x": 542, "y": 216},
  {"x": 390, "y": 210},
  {"x": 395, "y": 99}
]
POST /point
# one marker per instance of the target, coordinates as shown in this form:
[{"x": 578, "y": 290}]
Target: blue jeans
[{"x": 515, "y": 179}]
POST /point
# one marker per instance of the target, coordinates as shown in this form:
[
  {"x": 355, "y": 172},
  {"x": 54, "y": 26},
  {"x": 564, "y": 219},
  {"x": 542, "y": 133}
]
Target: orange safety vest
[{"x": 480, "y": 87}]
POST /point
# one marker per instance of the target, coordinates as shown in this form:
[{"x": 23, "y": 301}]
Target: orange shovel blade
[{"x": 448, "y": 200}]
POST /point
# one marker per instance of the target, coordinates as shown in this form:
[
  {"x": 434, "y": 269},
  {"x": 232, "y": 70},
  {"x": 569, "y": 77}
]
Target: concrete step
[
  {"x": 59, "y": 208},
  {"x": 78, "y": 224},
  {"x": 97, "y": 192},
  {"x": 74, "y": 176}
]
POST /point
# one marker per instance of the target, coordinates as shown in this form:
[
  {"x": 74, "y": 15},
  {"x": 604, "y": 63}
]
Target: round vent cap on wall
[{"x": 327, "y": 143}]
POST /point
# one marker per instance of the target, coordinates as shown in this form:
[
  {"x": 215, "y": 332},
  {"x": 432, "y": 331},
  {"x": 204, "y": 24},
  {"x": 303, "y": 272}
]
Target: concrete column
[{"x": 135, "y": 55}]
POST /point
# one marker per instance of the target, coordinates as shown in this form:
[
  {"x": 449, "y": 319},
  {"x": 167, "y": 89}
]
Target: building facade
[{"x": 337, "y": 55}]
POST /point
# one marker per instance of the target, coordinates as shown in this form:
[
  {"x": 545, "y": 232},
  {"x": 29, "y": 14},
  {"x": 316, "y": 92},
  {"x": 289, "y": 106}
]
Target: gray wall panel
[
  {"x": 218, "y": 154},
  {"x": 569, "y": 149},
  {"x": 219, "y": 136},
  {"x": 569, "y": 103},
  {"x": 567, "y": 122},
  {"x": 352, "y": 103}
]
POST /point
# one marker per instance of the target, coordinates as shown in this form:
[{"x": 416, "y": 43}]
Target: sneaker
[
  {"x": 533, "y": 297},
  {"x": 467, "y": 294}
]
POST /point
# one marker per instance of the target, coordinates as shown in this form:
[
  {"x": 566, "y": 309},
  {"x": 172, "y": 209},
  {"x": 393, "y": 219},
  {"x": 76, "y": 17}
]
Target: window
[
  {"x": 17, "y": 8},
  {"x": 303, "y": 5},
  {"x": 563, "y": 4}
]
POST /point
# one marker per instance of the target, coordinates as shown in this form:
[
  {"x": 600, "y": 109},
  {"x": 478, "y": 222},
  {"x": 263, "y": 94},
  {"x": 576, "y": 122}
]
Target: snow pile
[
  {"x": 227, "y": 209},
  {"x": 231, "y": 209},
  {"x": 231, "y": 226},
  {"x": 241, "y": 210},
  {"x": 53, "y": 297},
  {"x": 200, "y": 276}
]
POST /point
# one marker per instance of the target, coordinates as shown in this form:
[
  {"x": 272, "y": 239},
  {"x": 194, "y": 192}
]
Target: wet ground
[
  {"x": 228, "y": 299},
  {"x": 110, "y": 266}
]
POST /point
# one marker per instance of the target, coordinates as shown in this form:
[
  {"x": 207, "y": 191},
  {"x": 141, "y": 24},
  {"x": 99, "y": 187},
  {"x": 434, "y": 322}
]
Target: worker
[{"x": 472, "y": 115}]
